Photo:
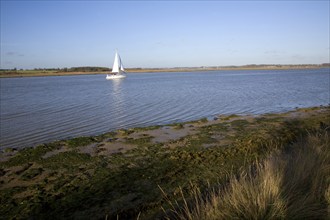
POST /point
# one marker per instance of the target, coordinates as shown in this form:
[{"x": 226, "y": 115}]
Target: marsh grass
[
  {"x": 31, "y": 173},
  {"x": 178, "y": 126},
  {"x": 293, "y": 184},
  {"x": 230, "y": 117},
  {"x": 203, "y": 120},
  {"x": 28, "y": 155},
  {"x": 80, "y": 141}
]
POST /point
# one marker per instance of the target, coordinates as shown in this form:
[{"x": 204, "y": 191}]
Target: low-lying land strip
[
  {"x": 141, "y": 172},
  {"x": 4, "y": 73}
]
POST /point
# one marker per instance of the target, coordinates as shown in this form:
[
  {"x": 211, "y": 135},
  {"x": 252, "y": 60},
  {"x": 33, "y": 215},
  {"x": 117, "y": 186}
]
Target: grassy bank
[
  {"x": 289, "y": 184},
  {"x": 139, "y": 172}
]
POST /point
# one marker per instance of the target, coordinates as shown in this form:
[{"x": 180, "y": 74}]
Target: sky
[{"x": 151, "y": 34}]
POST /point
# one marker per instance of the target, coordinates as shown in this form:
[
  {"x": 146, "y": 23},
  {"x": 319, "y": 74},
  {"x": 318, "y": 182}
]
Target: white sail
[
  {"x": 121, "y": 64},
  {"x": 115, "y": 67}
]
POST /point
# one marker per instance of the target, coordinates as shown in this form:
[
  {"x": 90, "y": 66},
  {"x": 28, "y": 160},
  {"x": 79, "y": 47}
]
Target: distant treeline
[
  {"x": 72, "y": 69},
  {"x": 85, "y": 69}
]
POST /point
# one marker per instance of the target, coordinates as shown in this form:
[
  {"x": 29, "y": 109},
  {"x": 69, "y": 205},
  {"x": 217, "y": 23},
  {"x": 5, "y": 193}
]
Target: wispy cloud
[{"x": 12, "y": 53}]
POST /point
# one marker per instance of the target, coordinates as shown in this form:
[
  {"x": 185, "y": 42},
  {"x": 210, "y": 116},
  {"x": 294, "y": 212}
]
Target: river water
[{"x": 36, "y": 110}]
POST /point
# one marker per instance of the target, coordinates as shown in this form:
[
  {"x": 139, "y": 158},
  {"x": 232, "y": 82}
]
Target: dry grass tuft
[{"x": 288, "y": 185}]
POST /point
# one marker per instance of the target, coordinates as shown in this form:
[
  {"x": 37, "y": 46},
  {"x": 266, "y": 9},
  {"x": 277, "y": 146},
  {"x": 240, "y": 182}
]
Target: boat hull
[{"x": 115, "y": 77}]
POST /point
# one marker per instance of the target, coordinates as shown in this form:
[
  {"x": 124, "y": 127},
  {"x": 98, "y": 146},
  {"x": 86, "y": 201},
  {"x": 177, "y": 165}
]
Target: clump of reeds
[{"x": 288, "y": 185}]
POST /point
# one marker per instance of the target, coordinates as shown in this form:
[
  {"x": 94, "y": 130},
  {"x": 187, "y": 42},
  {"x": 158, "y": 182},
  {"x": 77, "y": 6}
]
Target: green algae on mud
[{"x": 119, "y": 173}]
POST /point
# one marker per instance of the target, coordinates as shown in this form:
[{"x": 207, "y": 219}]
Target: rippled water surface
[{"x": 35, "y": 110}]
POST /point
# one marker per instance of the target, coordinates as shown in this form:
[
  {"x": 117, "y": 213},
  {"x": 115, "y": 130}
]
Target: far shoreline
[{"x": 42, "y": 73}]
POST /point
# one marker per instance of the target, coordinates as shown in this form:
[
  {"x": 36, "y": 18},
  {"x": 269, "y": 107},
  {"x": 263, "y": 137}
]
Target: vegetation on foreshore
[
  {"x": 140, "y": 172},
  {"x": 288, "y": 184}
]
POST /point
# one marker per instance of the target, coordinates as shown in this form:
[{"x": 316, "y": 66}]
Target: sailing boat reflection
[{"x": 118, "y": 103}]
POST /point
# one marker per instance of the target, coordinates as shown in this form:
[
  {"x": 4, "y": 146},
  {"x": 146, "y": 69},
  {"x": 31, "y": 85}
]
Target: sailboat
[{"x": 118, "y": 70}]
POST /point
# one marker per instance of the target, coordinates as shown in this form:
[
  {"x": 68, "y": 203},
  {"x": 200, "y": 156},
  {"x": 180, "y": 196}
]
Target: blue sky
[{"x": 52, "y": 34}]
